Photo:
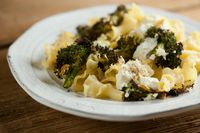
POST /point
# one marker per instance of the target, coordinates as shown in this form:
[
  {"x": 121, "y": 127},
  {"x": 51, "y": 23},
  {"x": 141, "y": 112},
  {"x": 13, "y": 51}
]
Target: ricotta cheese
[
  {"x": 124, "y": 76},
  {"x": 102, "y": 41},
  {"x": 144, "y": 48},
  {"x": 161, "y": 52},
  {"x": 131, "y": 71},
  {"x": 150, "y": 82}
]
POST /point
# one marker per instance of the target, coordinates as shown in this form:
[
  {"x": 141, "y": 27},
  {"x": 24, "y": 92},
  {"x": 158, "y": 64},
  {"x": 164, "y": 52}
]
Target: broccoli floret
[
  {"x": 103, "y": 26},
  {"x": 117, "y": 17},
  {"x": 75, "y": 56},
  {"x": 127, "y": 45},
  {"x": 166, "y": 40},
  {"x": 106, "y": 57},
  {"x": 132, "y": 92}
]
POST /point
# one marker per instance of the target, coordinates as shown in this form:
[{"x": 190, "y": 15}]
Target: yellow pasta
[
  {"x": 127, "y": 56},
  {"x": 177, "y": 76},
  {"x": 96, "y": 89},
  {"x": 131, "y": 20},
  {"x": 166, "y": 83},
  {"x": 110, "y": 74},
  {"x": 189, "y": 70},
  {"x": 193, "y": 42},
  {"x": 91, "y": 68},
  {"x": 178, "y": 28}
]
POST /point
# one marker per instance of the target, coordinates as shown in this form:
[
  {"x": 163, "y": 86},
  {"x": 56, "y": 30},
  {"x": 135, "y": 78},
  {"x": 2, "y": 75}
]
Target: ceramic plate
[{"x": 27, "y": 52}]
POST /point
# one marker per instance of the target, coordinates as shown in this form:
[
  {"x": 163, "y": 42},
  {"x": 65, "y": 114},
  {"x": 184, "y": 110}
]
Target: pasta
[
  {"x": 91, "y": 69},
  {"x": 127, "y": 56},
  {"x": 94, "y": 88}
]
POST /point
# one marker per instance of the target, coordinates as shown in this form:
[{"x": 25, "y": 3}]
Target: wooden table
[{"x": 20, "y": 113}]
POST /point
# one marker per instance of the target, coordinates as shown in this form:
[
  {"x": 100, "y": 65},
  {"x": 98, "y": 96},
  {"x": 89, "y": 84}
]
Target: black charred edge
[
  {"x": 57, "y": 73},
  {"x": 176, "y": 92},
  {"x": 83, "y": 41}
]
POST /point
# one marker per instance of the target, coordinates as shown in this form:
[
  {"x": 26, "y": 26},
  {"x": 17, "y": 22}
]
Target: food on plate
[{"x": 127, "y": 56}]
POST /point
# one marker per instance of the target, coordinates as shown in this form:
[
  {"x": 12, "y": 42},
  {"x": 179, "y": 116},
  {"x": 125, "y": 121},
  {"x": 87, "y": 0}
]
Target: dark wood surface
[{"x": 20, "y": 113}]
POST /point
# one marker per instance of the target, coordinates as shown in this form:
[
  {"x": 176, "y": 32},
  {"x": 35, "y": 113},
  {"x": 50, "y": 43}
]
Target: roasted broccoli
[
  {"x": 167, "y": 42},
  {"x": 106, "y": 57},
  {"x": 74, "y": 56},
  {"x": 127, "y": 45},
  {"x": 103, "y": 26},
  {"x": 117, "y": 17},
  {"x": 132, "y": 92}
]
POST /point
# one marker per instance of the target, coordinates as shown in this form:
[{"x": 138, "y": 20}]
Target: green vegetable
[
  {"x": 103, "y": 26},
  {"x": 75, "y": 56},
  {"x": 106, "y": 57},
  {"x": 117, "y": 17},
  {"x": 166, "y": 40},
  {"x": 127, "y": 46},
  {"x": 135, "y": 93}
]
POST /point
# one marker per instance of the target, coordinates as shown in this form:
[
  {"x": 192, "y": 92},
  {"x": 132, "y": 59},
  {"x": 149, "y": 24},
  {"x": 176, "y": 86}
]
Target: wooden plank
[
  {"x": 193, "y": 14},
  {"x": 172, "y": 5},
  {"x": 17, "y": 15},
  {"x": 20, "y": 113}
]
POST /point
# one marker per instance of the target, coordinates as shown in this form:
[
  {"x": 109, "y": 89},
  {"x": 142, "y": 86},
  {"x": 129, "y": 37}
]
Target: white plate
[{"x": 26, "y": 53}]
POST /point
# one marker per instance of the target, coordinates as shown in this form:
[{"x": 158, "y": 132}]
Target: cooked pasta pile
[{"x": 127, "y": 56}]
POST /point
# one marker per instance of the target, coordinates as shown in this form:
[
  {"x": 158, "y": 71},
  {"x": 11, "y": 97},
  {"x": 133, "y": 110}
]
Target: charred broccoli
[
  {"x": 132, "y": 92},
  {"x": 106, "y": 57},
  {"x": 127, "y": 45},
  {"x": 117, "y": 17},
  {"x": 74, "y": 56},
  {"x": 167, "y": 42},
  {"x": 103, "y": 26},
  {"x": 92, "y": 33}
]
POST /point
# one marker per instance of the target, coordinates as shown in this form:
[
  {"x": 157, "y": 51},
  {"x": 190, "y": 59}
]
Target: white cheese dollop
[
  {"x": 161, "y": 52},
  {"x": 150, "y": 97},
  {"x": 131, "y": 71},
  {"x": 150, "y": 82},
  {"x": 124, "y": 76},
  {"x": 102, "y": 41},
  {"x": 144, "y": 48}
]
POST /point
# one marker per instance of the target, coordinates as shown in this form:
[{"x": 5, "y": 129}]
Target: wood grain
[
  {"x": 20, "y": 113},
  {"x": 193, "y": 14},
  {"x": 17, "y": 15}
]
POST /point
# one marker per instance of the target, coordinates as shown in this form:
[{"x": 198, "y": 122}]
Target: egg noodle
[{"x": 130, "y": 56}]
